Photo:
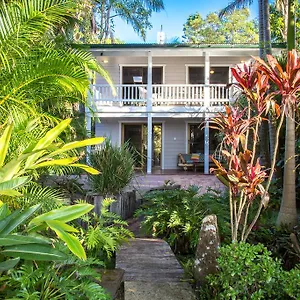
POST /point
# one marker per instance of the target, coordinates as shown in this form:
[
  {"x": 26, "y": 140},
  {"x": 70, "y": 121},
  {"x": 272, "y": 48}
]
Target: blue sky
[{"x": 172, "y": 19}]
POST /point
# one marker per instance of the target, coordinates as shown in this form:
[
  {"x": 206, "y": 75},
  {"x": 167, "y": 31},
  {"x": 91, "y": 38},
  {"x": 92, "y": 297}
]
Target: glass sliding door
[
  {"x": 196, "y": 139},
  {"x": 137, "y": 137}
]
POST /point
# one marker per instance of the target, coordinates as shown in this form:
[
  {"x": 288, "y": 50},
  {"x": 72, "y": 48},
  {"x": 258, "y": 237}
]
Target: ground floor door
[{"x": 137, "y": 137}]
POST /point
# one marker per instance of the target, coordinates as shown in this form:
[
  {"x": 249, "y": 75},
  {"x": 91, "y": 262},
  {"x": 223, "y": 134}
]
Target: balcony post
[
  {"x": 149, "y": 115},
  {"x": 206, "y": 79},
  {"x": 88, "y": 119},
  {"x": 206, "y": 146}
]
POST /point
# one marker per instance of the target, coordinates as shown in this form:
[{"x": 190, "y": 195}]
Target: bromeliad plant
[{"x": 243, "y": 173}]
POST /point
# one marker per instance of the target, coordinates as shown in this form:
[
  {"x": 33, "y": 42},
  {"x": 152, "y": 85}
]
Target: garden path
[{"x": 152, "y": 271}]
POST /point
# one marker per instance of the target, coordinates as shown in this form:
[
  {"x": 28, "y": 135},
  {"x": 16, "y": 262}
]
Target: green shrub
[
  {"x": 174, "y": 215},
  {"x": 116, "y": 165},
  {"x": 217, "y": 203},
  {"x": 249, "y": 272},
  {"x": 102, "y": 235}
]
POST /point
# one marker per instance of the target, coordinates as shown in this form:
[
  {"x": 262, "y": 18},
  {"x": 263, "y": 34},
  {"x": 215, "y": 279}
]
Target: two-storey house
[{"x": 165, "y": 97}]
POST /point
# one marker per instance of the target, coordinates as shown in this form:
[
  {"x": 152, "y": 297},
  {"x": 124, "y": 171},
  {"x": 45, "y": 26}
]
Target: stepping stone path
[{"x": 152, "y": 271}]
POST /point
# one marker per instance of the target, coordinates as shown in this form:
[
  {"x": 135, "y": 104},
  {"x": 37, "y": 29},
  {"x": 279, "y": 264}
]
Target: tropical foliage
[
  {"x": 174, "y": 215},
  {"x": 103, "y": 234},
  {"x": 71, "y": 279},
  {"x": 116, "y": 166},
  {"x": 278, "y": 24},
  {"x": 38, "y": 73},
  {"x": 232, "y": 29},
  {"x": 243, "y": 173}
]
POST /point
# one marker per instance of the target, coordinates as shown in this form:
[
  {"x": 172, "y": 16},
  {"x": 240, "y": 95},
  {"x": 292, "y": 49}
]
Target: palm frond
[
  {"x": 26, "y": 22},
  {"x": 237, "y": 4}
]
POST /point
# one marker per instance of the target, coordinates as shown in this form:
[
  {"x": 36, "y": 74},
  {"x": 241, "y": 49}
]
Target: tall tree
[
  {"x": 97, "y": 18},
  {"x": 288, "y": 209},
  {"x": 278, "y": 24},
  {"x": 232, "y": 29}
]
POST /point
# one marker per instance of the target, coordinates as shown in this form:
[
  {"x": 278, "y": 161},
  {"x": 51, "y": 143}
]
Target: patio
[{"x": 143, "y": 182}]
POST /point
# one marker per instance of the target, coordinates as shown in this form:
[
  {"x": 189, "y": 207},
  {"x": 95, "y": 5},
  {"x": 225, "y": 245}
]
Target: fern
[
  {"x": 71, "y": 280},
  {"x": 104, "y": 234}
]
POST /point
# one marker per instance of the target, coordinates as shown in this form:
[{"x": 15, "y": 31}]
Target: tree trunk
[
  {"x": 288, "y": 211},
  {"x": 291, "y": 30},
  {"x": 266, "y": 24},
  {"x": 261, "y": 30}
]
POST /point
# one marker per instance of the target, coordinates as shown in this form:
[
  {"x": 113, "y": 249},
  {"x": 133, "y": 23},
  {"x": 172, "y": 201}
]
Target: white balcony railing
[{"x": 162, "y": 95}]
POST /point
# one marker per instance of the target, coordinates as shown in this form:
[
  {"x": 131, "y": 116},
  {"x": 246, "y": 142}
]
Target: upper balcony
[{"x": 165, "y": 98}]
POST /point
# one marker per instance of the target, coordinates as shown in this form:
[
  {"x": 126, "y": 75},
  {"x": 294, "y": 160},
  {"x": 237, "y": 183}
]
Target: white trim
[
  {"x": 142, "y": 65},
  {"x": 186, "y": 136},
  {"x": 120, "y": 134},
  {"x": 162, "y": 145}
]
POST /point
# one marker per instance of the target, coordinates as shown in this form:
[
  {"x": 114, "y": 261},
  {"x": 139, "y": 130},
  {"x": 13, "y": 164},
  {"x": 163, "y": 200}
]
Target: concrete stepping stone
[{"x": 152, "y": 271}]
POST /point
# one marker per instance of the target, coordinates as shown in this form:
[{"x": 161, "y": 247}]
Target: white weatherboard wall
[
  {"x": 175, "y": 67},
  {"x": 174, "y": 141},
  {"x": 108, "y": 128}
]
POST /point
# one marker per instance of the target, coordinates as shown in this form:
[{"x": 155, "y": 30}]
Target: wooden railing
[{"x": 162, "y": 95}]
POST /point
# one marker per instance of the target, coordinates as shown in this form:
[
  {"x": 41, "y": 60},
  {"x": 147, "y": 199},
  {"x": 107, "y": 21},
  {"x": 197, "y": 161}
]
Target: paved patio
[{"x": 143, "y": 182}]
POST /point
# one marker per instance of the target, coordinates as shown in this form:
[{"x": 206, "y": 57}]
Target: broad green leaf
[
  {"x": 71, "y": 241},
  {"x": 4, "y": 143},
  {"x": 18, "y": 219},
  {"x": 4, "y": 211},
  {"x": 14, "y": 239},
  {"x": 49, "y": 137},
  {"x": 12, "y": 168},
  {"x": 79, "y": 144},
  {"x": 86, "y": 168},
  {"x": 8, "y": 264},
  {"x": 14, "y": 183},
  {"x": 34, "y": 252},
  {"x": 61, "y": 225},
  {"x": 64, "y": 214},
  {"x": 55, "y": 162},
  {"x": 10, "y": 193},
  {"x": 5, "y": 221}
]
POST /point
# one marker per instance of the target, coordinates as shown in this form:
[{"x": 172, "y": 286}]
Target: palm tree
[
  {"x": 288, "y": 209},
  {"x": 38, "y": 77},
  {"x": 36, "y": 74}
]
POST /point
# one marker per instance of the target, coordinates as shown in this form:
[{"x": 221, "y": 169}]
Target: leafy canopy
[{"x": 232, "y": 29}]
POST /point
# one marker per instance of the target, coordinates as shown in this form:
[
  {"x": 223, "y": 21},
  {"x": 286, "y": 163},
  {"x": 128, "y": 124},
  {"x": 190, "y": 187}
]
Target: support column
[
  {"x": 206, "y": 146},
  {"x": 206, "y": 79},
  {"x": 149, "y": 114},
  {"x": 88, "y": 120}
]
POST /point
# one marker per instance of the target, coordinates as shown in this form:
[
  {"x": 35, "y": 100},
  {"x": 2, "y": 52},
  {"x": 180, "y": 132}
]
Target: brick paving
[{"x": 143, "y": 182}]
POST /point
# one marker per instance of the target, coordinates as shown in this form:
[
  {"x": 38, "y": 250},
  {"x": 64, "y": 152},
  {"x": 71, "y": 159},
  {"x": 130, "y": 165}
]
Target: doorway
[{"x": 137, "y": 137}]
